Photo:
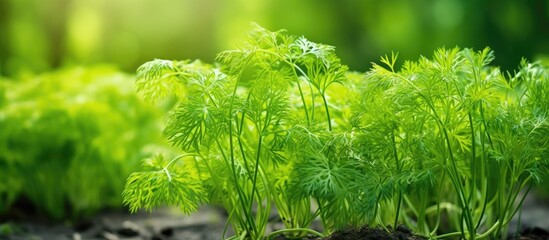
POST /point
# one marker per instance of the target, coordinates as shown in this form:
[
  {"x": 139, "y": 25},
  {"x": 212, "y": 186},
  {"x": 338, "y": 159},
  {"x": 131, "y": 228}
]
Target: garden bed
[
  {"x": 282, "y": 136},
  {"x": 209, "y": 222}
]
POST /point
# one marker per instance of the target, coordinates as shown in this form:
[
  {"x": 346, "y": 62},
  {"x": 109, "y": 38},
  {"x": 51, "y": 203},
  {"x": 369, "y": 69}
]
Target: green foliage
[
  {"x": 70, "y": 137},
  {"x": 280, "y": 121},
  {"x": 163, "y": 184},
  {"x": 238, "y": 120},
  {"x": 453, "y": 119}
]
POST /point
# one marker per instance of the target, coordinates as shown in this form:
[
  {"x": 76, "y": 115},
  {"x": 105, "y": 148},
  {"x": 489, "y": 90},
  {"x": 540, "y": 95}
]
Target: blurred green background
[
  {"x": 38, "y": 36},
  {"x": 51, "y": 49}
]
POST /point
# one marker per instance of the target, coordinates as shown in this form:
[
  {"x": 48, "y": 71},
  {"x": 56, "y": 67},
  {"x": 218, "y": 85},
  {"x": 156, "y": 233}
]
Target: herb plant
[
  {"x": 69, "y": 138},
  {"x": 239, "y": 125},
  {"x": 281, "y": 122},
  {"x": 453, "y": 122}
]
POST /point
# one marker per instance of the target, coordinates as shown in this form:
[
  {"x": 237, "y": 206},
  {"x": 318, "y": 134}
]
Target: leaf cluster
[
  {"x": 455, "y": 121},
  {"x": 69, "y": 138},
  {"x": 280, "y": 121},
  {"x": 163, "y": 184}
]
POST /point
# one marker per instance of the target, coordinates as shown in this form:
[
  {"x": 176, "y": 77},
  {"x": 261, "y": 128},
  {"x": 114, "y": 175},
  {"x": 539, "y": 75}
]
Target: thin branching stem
[
  {"x": 293, "y": 230},
  {"x": 327, "y": 111},
  {"x": 249, "y": 217},
  {"x": 399, "y": 169}
]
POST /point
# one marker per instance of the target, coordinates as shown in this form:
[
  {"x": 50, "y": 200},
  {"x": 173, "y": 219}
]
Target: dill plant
[
  {"x": 281, "y": 122},
  {"x": 241, "y": 128},
  {"x": 453, "y": 122}
]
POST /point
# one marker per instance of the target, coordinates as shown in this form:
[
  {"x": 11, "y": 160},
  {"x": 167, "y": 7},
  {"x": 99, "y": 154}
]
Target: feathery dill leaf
[
  {"x": 159, "y": 78},
  {"x": 163, "y": 185}
]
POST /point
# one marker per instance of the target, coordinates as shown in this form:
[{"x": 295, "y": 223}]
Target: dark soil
[
  {"x": 532, "y": 234},
  {"x": 365, "y": 233},
  {"x": 162, "y": 224}
]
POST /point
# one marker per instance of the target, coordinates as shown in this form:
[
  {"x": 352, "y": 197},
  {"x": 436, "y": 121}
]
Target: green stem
[
  {"x": 165, "y": 169},
  {"x": 313, "y": 104},
  {"x": 469, "y": 234},
  {"x": 506, "y": 201},
  {"x": 294, "y": 67},
  {"x": 303, "y": 101},
  {"x": 422, "y": 222},
  {"x": 242, "y": 199},
  {"x": 489, "y": 231},
  {"x": 243, "y": 154},
  {"x": 519, "y": 205},
  {"x": 484, "y": 204},
  {"x": 399, "y": 169},
  {"x": 377, "y": 205},
  {"x": 292, "y": 230},
  {"x": 322, "y": 215},
  {"x": 177, "y": 158},
  {"x": 327, "y": 111},
  {"x": 254, "y": 180},
  {"x": 438, "y": 205},
  {"x": 454, "y": 177},
  {"x": 473, "y": 159},
  {"x": 484, "y": 179},
  {"x": 447, "y": 235},
  {"x": 249, "y": 218},
  {"x": 399, "y": 202},
  {"x": 510, "y": 201}
]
